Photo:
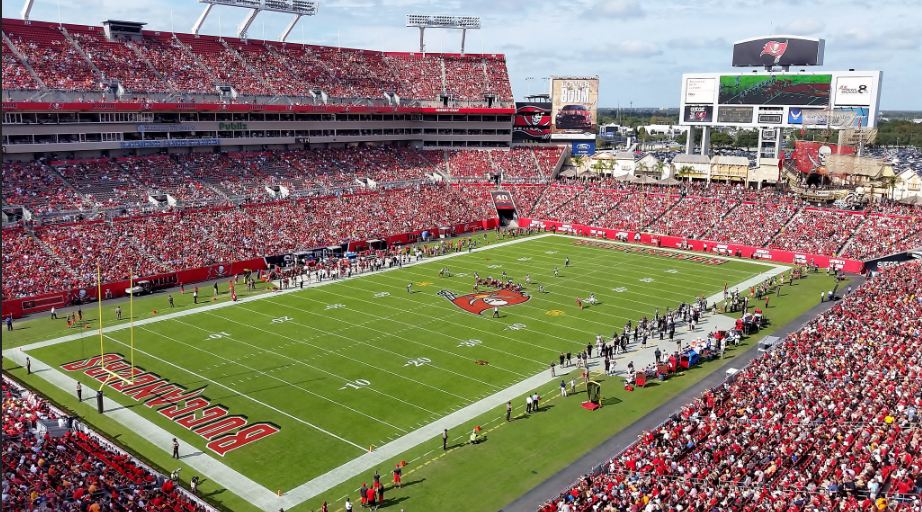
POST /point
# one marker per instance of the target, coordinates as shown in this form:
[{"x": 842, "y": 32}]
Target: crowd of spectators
[
  {"x": 65, "y": 256},
  {"x": 526, "y": 197},
  {"x": 233, "y": 201},
  {"x": 637, "y": 211},
  {"x": 116, "y": 60},
  {"x": 692, "y": 216},
  {"x": 827, "y": 421},
  {"x": 589, "y": 205},
  {"x": 474, "y": 164},
  {"x": 883, "y": 234},
  {"x": 190, "y": 64},
  {"x": 33, "y": 185},
  {"x": 817, "y": 231},
  {"x": 56, "y": 62},
  {"x": 74, "y": 471},
  {"x": 753, "y": 223},
  {"x": 15, "y": 75}
]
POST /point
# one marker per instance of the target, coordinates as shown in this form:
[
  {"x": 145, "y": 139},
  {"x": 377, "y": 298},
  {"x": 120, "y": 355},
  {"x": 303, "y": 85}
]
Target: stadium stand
[
  {"x": 213, "y": 183},
  {"x": 754, "y": 223},
  {"x": 77, "y": 58},
  {"x": 817, "y": 231},
  {"x": 75, "y": 471},
  {"x": 828, "y": 421},
  {"x": 883, "y": 234}
]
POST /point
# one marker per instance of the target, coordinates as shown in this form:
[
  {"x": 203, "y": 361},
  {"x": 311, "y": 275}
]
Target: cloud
[
  {"x": 698, "y": 43},
  {"x": 801, "y": 27},
  {"x": 894, "y": 39},
  {"x": 616, "y": 9},
  {"x": 632, "y": 48}
]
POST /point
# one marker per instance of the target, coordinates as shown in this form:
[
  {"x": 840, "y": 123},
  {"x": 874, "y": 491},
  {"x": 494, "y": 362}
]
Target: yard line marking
[
  {"x": 346, "y": 357},
  {"x": 382, "y": 349},
  {"x": 421, "y": 327},
  {"x": 296, "y": 361},
  {"x": 244, "y": 395},
  {"x": 291, "y": 384}
]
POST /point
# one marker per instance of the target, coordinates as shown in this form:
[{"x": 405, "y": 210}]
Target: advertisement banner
[
  {"x": 699, "y": 114},
  {"x": 728, "y": 114},
  {"x": 583, "y": 148},
  {"x": 532, "y": 122},
  {"x": 700, "y": 90},
  {"x": 574, "y": 103},
  {"x": 854, "y": 90},
  {"x": 776, "y": 89},
  {"x": 778, "y": 51},
  {"x": 862, "y": 115},
  {"x": 806, "y": 116}
]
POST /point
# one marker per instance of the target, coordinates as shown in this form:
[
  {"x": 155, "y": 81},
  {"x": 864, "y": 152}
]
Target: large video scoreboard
[{"x": 784, "y": 99}]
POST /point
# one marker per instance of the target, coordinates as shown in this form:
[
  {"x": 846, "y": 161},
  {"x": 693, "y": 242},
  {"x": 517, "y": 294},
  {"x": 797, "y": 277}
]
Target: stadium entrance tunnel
[{"x": 507, "y": 217}]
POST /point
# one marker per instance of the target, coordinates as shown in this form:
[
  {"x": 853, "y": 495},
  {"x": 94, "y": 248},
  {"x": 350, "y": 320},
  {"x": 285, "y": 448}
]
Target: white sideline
[{"x": 267, "y": 499}]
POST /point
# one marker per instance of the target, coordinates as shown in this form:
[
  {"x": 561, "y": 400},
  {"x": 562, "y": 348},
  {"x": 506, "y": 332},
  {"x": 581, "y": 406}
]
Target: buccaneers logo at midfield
[{"x": 479, "y": 302}]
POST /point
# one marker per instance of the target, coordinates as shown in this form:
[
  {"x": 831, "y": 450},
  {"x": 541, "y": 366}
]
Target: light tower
[
  {"x": 297, "y": 7},
  {"x": 424, "y": 21}
]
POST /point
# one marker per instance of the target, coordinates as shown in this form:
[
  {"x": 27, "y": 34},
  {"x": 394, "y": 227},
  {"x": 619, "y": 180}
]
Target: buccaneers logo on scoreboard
[
  {"x": 774, "y": 49},
  {"x": 479, "y": 302}
]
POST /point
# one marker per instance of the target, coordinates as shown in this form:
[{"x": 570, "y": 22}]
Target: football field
[{"x": 320, "y": 377}]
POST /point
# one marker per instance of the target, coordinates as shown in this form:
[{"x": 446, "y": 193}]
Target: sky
[{"x": 639, "y": 49}]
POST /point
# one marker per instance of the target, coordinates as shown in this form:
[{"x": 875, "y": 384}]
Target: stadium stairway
[
  {"x": 73, "y": 42},
  {"x": 51, "y": 254},
  {"x": 243, "y": 62},
  {"x": 710, "y": 229},
  {"x": 851, "y": 235},
  {"x": 623, "y": 198},
  {"x": 660, "y": 216},
  {"x": 23, "y": 60},
  {"x": 140, "y": 55}
]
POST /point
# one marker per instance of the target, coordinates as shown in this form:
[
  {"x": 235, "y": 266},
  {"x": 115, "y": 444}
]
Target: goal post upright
[{"x": 113, "y": 375}]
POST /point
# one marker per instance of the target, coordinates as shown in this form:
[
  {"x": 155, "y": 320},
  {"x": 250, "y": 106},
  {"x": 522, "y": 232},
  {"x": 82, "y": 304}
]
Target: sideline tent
[{"x": 689, "y": 358}]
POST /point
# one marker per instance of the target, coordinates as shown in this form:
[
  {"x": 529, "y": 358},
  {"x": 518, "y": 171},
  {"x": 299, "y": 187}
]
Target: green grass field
[{"x": 362, "y": 362}]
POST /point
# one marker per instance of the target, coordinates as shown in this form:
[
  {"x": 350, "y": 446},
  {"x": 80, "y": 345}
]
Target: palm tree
[
  {"x": 686, "y": 171},
  {"x": 658, "y": 168},
  {"x": 640, "y": 168}
]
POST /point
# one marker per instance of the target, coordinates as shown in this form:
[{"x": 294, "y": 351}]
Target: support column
[
  {"x": 201, "y": 19},
  {"x": 705, "y": 140},
  {"x": 289, "y": 28},
  {"x": 422, "y": 48},
  {"x": 27, "y": 9},
  {"x": 690, "y": 141},
  {"x": 245, "y": 24},
  {"x": 463, "y": 37}
]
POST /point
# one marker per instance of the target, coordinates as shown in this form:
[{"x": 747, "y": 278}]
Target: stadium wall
[{"x": 712, "y": 246}]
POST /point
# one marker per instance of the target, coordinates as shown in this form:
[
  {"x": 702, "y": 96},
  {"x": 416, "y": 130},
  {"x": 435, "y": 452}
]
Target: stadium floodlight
[
  {"x": 424, "y": 21},
  {"x": 297, "y": 7}
]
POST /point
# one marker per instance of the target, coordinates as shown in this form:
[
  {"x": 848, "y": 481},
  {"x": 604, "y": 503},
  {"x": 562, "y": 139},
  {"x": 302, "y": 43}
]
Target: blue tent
[{"x": 693, "y": 358}]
